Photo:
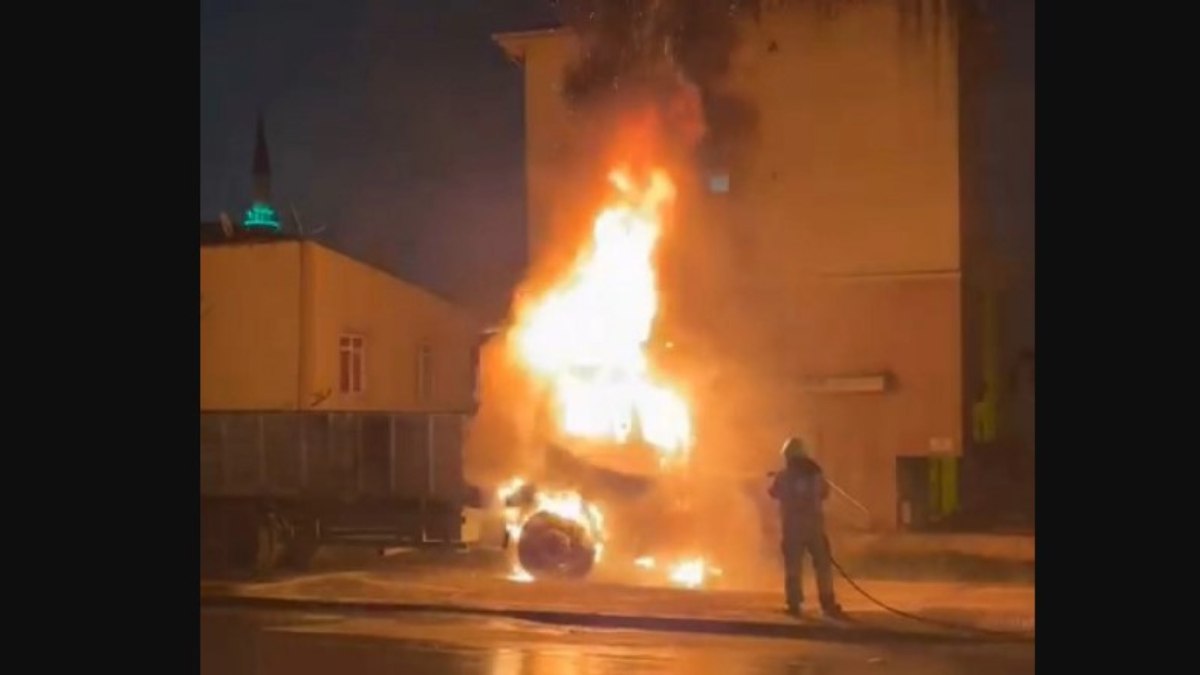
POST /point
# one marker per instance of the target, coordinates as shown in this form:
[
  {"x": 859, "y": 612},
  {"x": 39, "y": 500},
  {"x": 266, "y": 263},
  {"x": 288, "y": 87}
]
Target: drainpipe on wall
[
  {"x": 302, "y": 349},
  {"x": 985, "y": 414}
]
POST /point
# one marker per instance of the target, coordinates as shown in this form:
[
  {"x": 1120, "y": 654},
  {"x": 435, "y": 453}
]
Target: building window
[
  {"x": 718, "y": 182},
  {"x": 350, "y": 364},
  {"x": 424, "y": 374}
]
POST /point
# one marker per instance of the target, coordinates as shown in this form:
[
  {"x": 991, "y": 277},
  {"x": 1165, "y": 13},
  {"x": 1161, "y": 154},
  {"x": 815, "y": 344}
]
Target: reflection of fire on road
[{"x": 584, "y": 341}]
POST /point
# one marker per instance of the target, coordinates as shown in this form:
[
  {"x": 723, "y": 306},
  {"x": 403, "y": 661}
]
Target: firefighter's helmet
[{"x": 793, "y": 448}]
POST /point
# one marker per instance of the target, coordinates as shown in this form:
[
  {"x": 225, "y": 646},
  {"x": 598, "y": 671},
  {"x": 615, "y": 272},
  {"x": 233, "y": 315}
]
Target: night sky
[{"x": 397, "y": 126}]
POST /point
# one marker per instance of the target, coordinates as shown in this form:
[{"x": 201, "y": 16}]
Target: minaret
[
  {"x": 262, "y": 165},
  {"x": 261, "y": 216}
]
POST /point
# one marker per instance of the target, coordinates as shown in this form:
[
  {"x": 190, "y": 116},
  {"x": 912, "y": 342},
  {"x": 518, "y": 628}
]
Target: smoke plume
[{"x": 631, "y": 47}]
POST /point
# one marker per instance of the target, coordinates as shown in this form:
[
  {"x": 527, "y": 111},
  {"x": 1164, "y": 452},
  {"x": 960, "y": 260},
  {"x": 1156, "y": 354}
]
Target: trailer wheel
[
  {"x": 553, "y": 546},
  {"x": 215, "y": 542},
  {"x": 302, "y": 544},
  {"x": 241, "y": 535},
  {"x": 271, "y": 536},
  {"x": 255, "y": 541}
]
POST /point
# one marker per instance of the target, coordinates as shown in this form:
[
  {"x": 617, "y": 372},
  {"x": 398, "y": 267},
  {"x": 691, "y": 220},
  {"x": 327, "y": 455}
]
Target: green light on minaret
[{"x": 261, "y": 216}]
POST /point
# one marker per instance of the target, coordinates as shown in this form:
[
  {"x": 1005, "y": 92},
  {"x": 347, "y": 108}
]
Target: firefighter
[{"x": 800, "y": 490}]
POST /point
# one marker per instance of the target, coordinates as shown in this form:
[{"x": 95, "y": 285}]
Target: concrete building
[{"x": 848, "y": 269}]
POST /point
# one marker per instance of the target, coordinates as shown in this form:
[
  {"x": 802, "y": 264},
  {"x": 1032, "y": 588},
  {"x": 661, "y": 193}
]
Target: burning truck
[{"x": 612, "y": 473}]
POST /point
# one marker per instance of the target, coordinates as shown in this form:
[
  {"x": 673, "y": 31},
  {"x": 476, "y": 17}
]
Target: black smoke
[{"x": 639, "y": 45}]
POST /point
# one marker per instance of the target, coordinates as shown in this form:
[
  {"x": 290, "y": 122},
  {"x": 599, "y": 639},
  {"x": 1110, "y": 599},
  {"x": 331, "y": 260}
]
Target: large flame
[{"x": 586, "y": 336}]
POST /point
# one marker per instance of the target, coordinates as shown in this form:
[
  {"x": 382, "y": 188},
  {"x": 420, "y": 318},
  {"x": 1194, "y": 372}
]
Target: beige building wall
[
  {"x": 273, "y": 315},
  {"x": 249, "y": 314},
  {"x": 396, "y": 320}
]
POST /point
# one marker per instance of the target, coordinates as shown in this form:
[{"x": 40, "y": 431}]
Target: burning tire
[{"x": 553, "y": 546}]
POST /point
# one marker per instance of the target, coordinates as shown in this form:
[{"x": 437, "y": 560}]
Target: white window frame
[
  {"x": 351, "y": 345},
  {"x": 718, "y": 182}
]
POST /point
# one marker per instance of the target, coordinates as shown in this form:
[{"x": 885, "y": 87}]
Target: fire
[
  {"x": 520, "y": 576},
  {"x": 584, "y": 339},
  {"x": 687, "y": 572},
  {"x": 512, "y": 520},
  {"x": 691, "y": 573},
  {"x": 586, "y": 336},
  {"x": 568, "y": 505},
  {"x": 510, "y": 488}
]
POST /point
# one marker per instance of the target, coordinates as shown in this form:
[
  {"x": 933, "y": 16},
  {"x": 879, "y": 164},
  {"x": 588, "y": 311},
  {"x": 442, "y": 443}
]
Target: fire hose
[{"x": 952, "y": 625}]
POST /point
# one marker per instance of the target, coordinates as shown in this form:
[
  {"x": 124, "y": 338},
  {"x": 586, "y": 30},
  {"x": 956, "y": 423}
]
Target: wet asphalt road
[{"x": 243, "y": 642}]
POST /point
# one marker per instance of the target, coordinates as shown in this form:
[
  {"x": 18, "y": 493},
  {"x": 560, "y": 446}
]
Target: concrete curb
[{"x": 851, "y": 632}]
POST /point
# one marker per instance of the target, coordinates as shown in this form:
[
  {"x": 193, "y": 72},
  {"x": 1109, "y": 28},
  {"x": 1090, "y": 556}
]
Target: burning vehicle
[{"x": 615, "y": 434}]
